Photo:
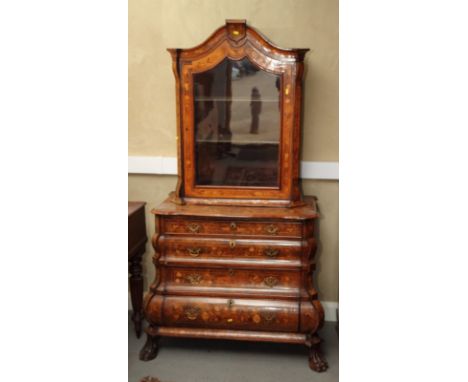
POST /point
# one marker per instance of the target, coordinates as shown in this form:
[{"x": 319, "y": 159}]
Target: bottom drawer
[{"x": 221, "y": 313}]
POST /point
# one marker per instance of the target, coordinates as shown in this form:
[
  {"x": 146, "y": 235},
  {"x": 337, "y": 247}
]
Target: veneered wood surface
[
  {"x": 307, "y": 211},
  {"x": 236, "y": 263},
  {"x": 231, "y": 227},
  {"x": 309, "y": 315},
  {"x": 240, "y": 282},
  {"x": 237, "y": 40},
  {"x": 236, "y": 335},
  {"x": 219, "y": 313},
  {"x": 224, "y": 252},
  {"x": 194, "y": 266}
]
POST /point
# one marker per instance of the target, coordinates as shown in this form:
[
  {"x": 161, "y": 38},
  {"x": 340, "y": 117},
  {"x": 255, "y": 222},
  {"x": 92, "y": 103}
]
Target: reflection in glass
[{"x": 237, "y": 125}]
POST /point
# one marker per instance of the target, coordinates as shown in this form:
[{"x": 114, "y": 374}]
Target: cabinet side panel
[{"x": 175, "y": 54}]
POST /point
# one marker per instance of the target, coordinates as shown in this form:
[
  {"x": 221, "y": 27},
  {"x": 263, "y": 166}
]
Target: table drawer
[
  {"x": 243, "y": 252},
  {"x": 231, "y": 281},
  {"x": 219, "y": 313},
  {"x": 231, "y": 227}
]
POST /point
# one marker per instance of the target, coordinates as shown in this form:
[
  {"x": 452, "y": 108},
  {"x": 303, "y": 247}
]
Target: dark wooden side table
[{"x": 136, "y": 248}]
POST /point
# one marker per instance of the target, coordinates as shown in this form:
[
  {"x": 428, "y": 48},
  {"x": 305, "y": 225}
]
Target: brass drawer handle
[
  {"x": 194, "y": 252},
  {"x": 193, "y": 278},
  {"x": 193, "y": 227},
  {"x": 233, "y": 226},
  {"x": 271, "y": 252},
  {"x": 232, "y": 243},
  {"x": 271, "y": 281},
  {"x": 192, "y": 312},
  {"x": 269, "y": 317},
  {"x": 272, "y": 229}
]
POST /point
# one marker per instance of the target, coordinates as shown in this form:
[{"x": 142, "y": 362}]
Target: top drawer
[{"x": 191, "y": 226}]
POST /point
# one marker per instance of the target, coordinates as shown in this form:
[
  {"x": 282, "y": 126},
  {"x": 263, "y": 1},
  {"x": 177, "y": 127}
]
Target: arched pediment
[{"x": 237, "y": 34}]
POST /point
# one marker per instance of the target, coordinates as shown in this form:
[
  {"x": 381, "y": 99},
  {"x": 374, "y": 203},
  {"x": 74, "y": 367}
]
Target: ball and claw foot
[
  {"x": 150, "y": 350},
  {"x": 316, "y": 360}
]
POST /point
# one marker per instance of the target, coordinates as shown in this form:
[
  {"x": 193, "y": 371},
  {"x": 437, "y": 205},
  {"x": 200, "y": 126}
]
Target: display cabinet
[
  {"x": 239, "y": 107},
  {"x": 235, "y": 242}
]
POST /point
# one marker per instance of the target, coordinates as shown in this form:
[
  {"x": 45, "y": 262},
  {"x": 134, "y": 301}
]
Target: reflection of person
[
  {"x": 278, "y": 85},
  {"x": 255, "y": 110}
]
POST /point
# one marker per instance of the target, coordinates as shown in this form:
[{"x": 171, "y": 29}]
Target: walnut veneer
[
  {"x": 235, "y": 242},
  {"x": 243, "y": 276}
]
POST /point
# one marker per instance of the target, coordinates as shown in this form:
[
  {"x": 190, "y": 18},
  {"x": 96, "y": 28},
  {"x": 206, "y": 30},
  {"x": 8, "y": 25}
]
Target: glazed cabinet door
[
  {"x": 237, "y": 125},
  {"x": 239, "y": 116}
]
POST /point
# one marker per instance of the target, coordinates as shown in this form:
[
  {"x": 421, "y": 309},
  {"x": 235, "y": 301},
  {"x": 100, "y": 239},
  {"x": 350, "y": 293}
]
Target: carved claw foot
[
  {"x": 150, "y": 350},
  {"x": 317, "y": 361}
]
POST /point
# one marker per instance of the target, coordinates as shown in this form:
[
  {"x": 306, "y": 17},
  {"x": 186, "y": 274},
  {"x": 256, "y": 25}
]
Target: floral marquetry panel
[
  {"x": 232, "y": 313},
  {"x": 231, "y": 281},
  {"x": 232, "y": 227}
]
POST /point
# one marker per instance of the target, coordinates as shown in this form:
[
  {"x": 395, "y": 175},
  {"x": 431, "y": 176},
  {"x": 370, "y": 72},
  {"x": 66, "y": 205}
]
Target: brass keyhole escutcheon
[
  {"x": 233, "y": 226},
  {"x": 272, "y": 229},
  {"x": 232, "y": 243},
  {"x": 194, "y": 252},
  {"x": 271, "y": 252},
  {"x": 269, "y": 317},
  {"x": 193, "y": 227},
  {"x": 231, "y": 272},
  {"x": 271, "y": 281},
  {"x": 192, "y": 312},
  {"x": 230, "y": 303}
]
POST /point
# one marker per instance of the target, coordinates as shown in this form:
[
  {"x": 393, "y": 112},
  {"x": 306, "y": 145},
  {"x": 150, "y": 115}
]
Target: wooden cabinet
[
  {"x": 234, "y": 245},
  {"x": 136, "y": 248}
]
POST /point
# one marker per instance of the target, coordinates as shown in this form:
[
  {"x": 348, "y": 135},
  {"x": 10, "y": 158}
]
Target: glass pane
[{"x": 237, "y": 125}]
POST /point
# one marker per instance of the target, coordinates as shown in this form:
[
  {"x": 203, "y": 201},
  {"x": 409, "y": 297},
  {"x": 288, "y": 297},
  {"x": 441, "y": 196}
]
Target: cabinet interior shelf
[
  {"x": 238, "y": 142},
  {"x": 228, "y": 99}
]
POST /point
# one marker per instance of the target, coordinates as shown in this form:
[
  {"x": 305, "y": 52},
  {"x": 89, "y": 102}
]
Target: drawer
[
  {"x": 219, "y": 313},
  {"x": 238, "y": 252},
  {"x": 190, "y": 226},
  {"x": 179, "y": 280}
]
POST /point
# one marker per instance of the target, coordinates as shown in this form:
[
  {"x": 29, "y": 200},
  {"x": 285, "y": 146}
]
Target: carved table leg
[
  {"x": 317, "y": 361},
  {"x": 136, "y": 290},
  {"x": 150, "y": 350}
]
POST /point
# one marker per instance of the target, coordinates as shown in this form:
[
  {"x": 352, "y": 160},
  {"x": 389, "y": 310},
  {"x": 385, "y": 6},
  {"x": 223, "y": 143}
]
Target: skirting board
[
  {"x": 328, "y": 306},
  {"x": 168, "y": 166}
]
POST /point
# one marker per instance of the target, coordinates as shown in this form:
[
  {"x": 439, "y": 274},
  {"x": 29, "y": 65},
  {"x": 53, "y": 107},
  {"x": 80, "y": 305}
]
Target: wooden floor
[{"x": 190, "y": 360}]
